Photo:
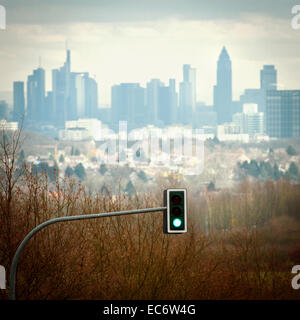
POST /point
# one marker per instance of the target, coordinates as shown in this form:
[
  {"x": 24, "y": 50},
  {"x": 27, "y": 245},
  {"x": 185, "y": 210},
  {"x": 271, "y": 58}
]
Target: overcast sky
[{"x": 136, "y": 40}]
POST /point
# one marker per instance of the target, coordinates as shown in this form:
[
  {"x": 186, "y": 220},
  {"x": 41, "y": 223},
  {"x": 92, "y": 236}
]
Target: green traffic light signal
[
  {"x": 175, "y": 216},
  {"x": 177, "y": 223}
]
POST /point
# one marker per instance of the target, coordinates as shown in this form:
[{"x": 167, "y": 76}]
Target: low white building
[
  {"x": 10, "y": 126},
  {"x": 231, "y": 132},
  {"x": 82, "y": 129},
  {"x": 251, "y": 123},
  {"x": 74, "y": 134}
]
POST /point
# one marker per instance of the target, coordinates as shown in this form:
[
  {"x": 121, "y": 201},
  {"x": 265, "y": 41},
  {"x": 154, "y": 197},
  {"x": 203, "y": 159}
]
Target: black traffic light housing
[{"x": 175, "y": 216}]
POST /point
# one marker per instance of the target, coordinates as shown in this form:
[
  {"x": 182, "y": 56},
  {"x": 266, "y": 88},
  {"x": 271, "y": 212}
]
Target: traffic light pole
[{"x": 14, "y": 265}]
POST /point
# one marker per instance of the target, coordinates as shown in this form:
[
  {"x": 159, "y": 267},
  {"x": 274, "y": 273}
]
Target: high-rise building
[
  {"x": 73, "y": 95},
  {"x": 268, "y": 78},
  {"x": 268, "y": 81},
  {"x": 86, "y": 96},
  {"x": 205, "y": 116},
  {"x": 252, "y": 96},
  {"x": 80, "y": 85},
  {"x": 104, "y": 114},
  {"x": 173, "y": 101},
  {"x": 49, "y": 108},
  {"x": 161, "y": 102},
  {"x": 187, "y": 94},
  {"x": 164, "y": 107},
  {"x": 91, "y": 107},
  {"x": 189, "y": 75},
  {"x": 72, "y": 106},
  {"x": 19, "y": 101},
  {"x": 152, "y": 99},
  {"x": 283, "y": 113},
  {"x": 61, "y": 81},
  {"x": 128, "y": 103},
  {"x": 185, "y": 102},
  {"x": 223, "y": 88},
  {"x": 250, "y": 123},
  {"x": 3, "y": 110},
  {"x": 36, "y": 112},
  {"x": 255, "y": 123},
  {"x": 167, "y": 103}
]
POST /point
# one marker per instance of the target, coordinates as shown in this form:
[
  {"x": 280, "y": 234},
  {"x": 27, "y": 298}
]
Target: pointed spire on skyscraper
[
  {"x": 223, "y": 88},
  {"x": 68, "y": 55},
  {"x": 224, "y": 54}
]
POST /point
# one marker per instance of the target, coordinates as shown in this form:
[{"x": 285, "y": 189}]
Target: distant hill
[{"x": 32, "y": 142}]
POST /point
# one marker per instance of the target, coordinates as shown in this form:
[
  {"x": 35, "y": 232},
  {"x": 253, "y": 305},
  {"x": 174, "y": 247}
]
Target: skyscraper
[
  {"x": 152, "y": 96},
  {"x": 61, "y": 79},
  {"x": 189, "y": 75},
  {"x": 91, "y": 107},
  {"x": 19, "y": 101},
  {"x": 283, "y": 113},
  {"x": 223, "y": 88},
  {"x": 268, "y": 81},
  {"x": 3, "y": 110},
  {"x": 36, "y": 112},
  {"x": 86, "y": 96},
  {"x": 75, "y": 94},
  {"x": 161, "y": 102},
  {"x": 173, "y": 101},
  {"x": 49, "y": 108},
  {"x": 128, "y": 103},
  {"x": 268, "y": 78},
  {"x": 167, "y": 103},
  {"x": 252, "y": 96},
  {"x": 187, "y": 94}
]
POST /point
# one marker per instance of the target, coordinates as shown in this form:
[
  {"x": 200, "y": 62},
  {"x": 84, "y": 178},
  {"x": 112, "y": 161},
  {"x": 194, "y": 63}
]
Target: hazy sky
[{"x": 136, "y": 40}]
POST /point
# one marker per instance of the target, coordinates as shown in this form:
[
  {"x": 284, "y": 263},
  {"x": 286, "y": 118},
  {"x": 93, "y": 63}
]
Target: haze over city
[{"x": 119, "y": 41}]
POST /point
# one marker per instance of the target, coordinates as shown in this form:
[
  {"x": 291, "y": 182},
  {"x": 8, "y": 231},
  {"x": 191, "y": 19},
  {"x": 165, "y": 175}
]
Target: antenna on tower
[
  {"x": 40, "y": 61},
  {"x": 68, "y": 56}
]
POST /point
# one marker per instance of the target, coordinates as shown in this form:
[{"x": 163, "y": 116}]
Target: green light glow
[{"x": 177, "y": 223}]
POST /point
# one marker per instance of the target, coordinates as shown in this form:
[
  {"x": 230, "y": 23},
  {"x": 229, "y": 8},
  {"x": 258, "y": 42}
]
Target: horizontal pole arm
[{"x": 13, "y": 269}]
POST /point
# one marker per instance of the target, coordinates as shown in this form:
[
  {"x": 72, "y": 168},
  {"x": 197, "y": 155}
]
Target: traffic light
[{"x": 175, "y": 216}]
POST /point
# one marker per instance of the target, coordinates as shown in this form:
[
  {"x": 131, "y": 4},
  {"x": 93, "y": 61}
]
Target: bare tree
[{"x": 10, "y": 143}]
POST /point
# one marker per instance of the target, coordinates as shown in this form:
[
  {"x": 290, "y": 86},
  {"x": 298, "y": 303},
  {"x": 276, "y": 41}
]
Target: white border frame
[{"x": 168, "y": 211}]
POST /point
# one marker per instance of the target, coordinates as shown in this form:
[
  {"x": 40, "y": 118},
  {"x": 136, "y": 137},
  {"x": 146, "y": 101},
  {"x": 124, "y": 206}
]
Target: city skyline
[
  {"x": 265, "y": 70},
  {"x": 75, "y": 94},
  {"x": 140, "y": 46},
  {"x": 179, "y": 78}
]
